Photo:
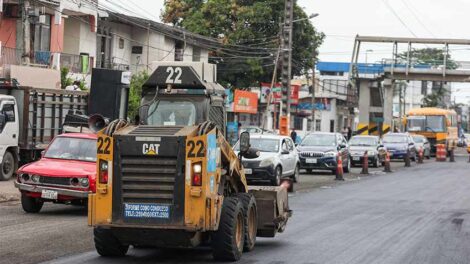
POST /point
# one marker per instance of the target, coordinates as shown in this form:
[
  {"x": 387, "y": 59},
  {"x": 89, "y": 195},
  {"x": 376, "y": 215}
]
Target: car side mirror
[
  {"x": 381, "y": 146},
  {"x": 411, "y": 144},
  {"x": 342, "y": 146},
  {"x": 252, "y": 153},
  {"x": 43, "y": 153},
  {"x": 244, "y": 142},
  {"x": 285, "y": 152}
]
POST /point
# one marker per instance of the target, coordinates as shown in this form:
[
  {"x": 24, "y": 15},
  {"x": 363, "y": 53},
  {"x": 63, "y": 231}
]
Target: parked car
[
  {"x": 255, "y": 130},
  {"x": 398, "y": 144},
  {"x": 65, "y": 174},
  {"x": 278, "y": 159},
  {"x": 421, "y": 142},
  {"x": 319, "y": 151},
  {"x": 376, "y": 152}
]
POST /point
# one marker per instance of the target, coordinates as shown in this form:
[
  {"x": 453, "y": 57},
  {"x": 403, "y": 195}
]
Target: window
[
  {"x": 290, "y": 144},
  {"x": 424, "y": 88},
  {"x": 9, "y": 112},
  {"x": 172, "y": 113},
  {"x": 196, "y": 54},
  {"x": 41, "y": 35},
  {"x": 121, "y": 43},
  {"x": 72, "y": 149},
  {"x": 317, "y": 125}
]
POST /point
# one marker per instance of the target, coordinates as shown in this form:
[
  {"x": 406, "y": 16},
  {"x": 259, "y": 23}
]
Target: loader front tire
[
  {"x": 107, "y": 245},
  {"x": 250, "y": 220},
  {"x": 228, "y": 240}
]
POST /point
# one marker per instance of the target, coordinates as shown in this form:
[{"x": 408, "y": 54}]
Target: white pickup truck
[{"x": 29, "y": 119}]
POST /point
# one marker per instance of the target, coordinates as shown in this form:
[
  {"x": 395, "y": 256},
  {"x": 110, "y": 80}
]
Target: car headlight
[
  {"x": 25, "y": 177},
  {"x": 84, "y": 182},
  {"x": 35, "y": 178},
  {"x": 330, "y": 154},
  {"x": 267, "y": 162}
]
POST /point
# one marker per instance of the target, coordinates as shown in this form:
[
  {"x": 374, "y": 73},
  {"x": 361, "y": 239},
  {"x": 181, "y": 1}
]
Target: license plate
[
  {"x": 248, "y": 171},
  {"x": 311, "y": 161},
  {"x": 356, "y": 158},
  {"x": 48, "y": 194},
  {"x": 146, "y": 211}
]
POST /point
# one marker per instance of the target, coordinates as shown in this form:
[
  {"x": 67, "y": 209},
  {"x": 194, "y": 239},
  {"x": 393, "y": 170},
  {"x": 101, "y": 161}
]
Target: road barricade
[
  {"x": 387, "y": 167},
  {"x": 365, "y": 163},
  {"x": 339, "y": 168},
  {"x": 407, "y": 159},
  {"x": 421, "y": 156},
  {"x": 441, "y": 154}
]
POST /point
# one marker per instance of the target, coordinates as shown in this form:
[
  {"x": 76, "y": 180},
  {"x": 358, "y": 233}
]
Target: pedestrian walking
[{"x": 293, "y": 135}]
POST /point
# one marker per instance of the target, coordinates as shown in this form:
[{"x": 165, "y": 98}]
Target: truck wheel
[
  {"x": 107, "y": 245},
  {"x": 251, "y": 220},
  {"x": 30, "y": 204},
  {"x": 227, "y": 242},
  {"x": 8, "y": 166}
]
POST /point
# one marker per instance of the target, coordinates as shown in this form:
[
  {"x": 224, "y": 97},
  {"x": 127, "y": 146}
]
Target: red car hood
[{"x": 60, "y": 168}]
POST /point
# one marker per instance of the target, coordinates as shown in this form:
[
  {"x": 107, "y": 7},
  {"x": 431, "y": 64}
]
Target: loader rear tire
[
  {"x": 251, "y": 220},
  {"x": 107, "y": 245},
  {"x": 228, "y": 240}
]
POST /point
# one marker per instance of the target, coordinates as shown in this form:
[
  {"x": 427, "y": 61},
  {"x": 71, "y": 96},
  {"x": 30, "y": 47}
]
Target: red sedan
[{"x": 65, "y": 174}]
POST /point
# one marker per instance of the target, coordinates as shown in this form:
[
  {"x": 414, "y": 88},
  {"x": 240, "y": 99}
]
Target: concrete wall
[
  {"x": 8, "y": 32},
  {"x": 71, "y": 36},
  {"x": 36, "y": 77},
  {"x": 121, "y": 55}
]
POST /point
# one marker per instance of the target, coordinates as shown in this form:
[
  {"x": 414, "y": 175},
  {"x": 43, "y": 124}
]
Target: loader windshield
[{"x": 171, "y": 113}]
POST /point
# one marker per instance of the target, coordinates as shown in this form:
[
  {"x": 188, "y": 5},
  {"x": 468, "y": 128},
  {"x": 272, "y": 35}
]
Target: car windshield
[
  {"x": 418, "y": 139},
  {"x": 363, "y": 141},
  {"x": 394, "y": 139},
  {"x": 263, "y": 145},
  {"x": 171, "y": 113},
  {"x": 69, "y": 148},
  {"x": 426, "y": 124},
  {"x": 319, "y": 140}
]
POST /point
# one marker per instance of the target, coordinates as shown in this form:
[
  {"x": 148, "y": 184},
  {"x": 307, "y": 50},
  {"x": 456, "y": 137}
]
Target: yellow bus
[{"x": 438, "y": 125}]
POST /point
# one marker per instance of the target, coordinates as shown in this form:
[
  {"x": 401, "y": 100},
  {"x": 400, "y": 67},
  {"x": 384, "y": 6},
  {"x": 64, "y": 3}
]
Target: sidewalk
[{"x": 8, "y": 192}]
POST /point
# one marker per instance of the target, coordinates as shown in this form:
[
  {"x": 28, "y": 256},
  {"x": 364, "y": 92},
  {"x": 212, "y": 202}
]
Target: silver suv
[{"x": 278, "y": 160}]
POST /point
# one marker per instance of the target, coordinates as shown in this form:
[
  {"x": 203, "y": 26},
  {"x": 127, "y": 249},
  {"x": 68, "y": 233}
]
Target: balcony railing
[{"x": 44, "y": 59}]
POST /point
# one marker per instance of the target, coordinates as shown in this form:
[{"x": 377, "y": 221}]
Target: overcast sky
[{"x": 341, "y": 20}]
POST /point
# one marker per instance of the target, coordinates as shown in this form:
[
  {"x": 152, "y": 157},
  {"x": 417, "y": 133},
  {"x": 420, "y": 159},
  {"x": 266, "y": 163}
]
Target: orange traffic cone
[
  {"x": 339, "y": 168},
  {"x": 387, "y": 163}
]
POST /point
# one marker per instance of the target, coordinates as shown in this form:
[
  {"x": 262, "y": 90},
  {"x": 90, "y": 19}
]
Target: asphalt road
[{"x": 417, "y": 215}]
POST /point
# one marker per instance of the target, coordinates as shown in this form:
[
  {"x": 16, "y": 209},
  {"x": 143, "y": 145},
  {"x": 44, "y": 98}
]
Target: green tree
[
  {"x": 435, "y": 99},
  {"x": 135, "y": 93},
  {"x": 64, "y": 79},
  {"x": 430, "y": 56},
  {"x": 248, "y": 31}
]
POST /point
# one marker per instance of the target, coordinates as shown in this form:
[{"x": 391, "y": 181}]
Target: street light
[{"x": 306, "y": 18}]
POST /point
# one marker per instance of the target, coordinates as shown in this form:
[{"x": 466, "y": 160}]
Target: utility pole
[
  {"x": 286, "y": 47},
  {"x": 24, "y": 4},
  {"x": 313, "y": 126}
]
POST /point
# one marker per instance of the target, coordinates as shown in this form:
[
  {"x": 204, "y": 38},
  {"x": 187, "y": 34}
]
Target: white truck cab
[{"x": 9, "y": 133}]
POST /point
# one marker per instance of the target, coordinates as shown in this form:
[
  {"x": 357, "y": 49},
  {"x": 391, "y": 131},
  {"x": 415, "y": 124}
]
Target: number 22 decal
[
  {"x": 103, "y": 145},
  {"x": 174, "y": 72},
  {"x": 192, "y": 148}
]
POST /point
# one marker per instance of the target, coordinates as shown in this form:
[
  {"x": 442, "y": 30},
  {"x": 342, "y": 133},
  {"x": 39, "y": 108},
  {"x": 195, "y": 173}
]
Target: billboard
[
  {"x": 245, "y": 102},
  {"x": 277, "y": 93}
]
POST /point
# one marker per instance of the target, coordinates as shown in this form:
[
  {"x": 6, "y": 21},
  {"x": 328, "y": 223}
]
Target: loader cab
[{"x": 178, "y": 105}]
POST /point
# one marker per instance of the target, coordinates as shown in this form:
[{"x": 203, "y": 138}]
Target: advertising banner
[{"x": 245, "y": 102}]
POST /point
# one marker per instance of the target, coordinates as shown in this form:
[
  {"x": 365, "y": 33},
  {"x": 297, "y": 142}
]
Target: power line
[
  {"x": 398, "y": 17},
  {"x": 417, "y": 18}
]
